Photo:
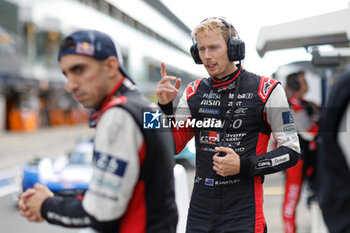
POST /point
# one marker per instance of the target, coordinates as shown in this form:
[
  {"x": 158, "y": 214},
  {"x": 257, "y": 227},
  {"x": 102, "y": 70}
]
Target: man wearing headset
[
  {"x": 231, "y": 158},
  {"x": 306, "y": 115}
]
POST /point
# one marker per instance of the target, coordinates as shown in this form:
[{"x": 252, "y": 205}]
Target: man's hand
[
  {"x": 31, "y": 201},
  {"x": 228, "y": 165},
  {"x": 165, "y": 91},
  {"x": 23, "y": 208}
]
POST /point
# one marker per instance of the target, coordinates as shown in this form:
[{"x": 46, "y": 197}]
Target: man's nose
[
  {"x": 71, "y": 84},
  {"x": 207, "y": 54}
]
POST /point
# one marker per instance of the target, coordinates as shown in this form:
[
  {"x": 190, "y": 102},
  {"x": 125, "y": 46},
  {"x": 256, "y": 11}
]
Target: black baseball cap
[{"x": 90, "y": 43}]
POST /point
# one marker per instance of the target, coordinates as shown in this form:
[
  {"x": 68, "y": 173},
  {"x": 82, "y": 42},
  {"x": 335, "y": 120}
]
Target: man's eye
[{"x": 78, "y": 70}]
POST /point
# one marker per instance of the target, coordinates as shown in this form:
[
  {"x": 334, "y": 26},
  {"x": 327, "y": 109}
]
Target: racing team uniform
[
  {"x": 234, "y": 203},
  {"x": 132, "y": 185},
  {"x": 306, "y": 116}
]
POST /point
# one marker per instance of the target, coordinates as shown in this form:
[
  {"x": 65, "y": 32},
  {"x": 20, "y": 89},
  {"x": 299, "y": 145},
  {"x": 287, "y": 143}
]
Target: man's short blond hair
[{"x": 216, "y": 25}]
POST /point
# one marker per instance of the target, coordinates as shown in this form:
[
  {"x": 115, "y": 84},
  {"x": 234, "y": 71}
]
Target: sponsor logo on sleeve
[
  {"x": 272, "y": 162},
  {"x": 102, "y": 181},
  {"x": 110, "y": 163},
  {"x": 289, "y": 129},
  {"x": 280, "y": 159},
  {"x": 287, "y": 117},
  {"x": 72, "y": 221},
  {"x": 264, "y": 164}
]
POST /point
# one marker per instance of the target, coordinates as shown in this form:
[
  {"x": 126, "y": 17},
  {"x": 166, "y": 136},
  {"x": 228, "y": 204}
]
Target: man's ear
[{"x": 111, "y": 66}]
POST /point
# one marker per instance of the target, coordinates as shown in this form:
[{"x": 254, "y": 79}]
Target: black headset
[
  {"x": 293, "y": 81},
  {"x": 235, "y": 46}
]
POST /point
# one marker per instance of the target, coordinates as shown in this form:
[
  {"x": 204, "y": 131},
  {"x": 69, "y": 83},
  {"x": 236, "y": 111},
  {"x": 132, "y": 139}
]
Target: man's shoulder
[
  {"x": 266, "y": 86},
  {"x": 115, "y": 112},
  {"x": 251, "y": 75},
  {"x": 192, "y": 87},
  {"x": 131, "y": 104},
  {"x": 255, "y": 77},
  {"x": 115, "y": 117}
]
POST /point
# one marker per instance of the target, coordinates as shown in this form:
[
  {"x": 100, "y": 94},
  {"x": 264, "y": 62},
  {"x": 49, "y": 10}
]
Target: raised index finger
[{"x": 162, "y": 70}]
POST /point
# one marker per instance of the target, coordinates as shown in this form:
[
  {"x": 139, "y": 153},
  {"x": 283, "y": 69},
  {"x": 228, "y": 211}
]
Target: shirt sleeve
[
  {"x": 281, "y": 122},
  {"x": 118, "y": 140},
  {"x": 115, "y": 173},
  {"x": 69, "y": 212}
]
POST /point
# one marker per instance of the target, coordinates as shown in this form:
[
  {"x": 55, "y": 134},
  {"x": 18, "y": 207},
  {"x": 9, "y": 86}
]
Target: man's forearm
[
  {"x": 271, "y": 162},
  {"x": 69, "y": 212}
]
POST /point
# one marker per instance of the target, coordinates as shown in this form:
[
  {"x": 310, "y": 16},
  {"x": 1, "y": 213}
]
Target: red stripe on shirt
[
  {"x": 135, "y": 217},
  {"x": 260, "y": 222},
  {"x": 182, "y": 136},
  {"x": 225, "y": 83}
]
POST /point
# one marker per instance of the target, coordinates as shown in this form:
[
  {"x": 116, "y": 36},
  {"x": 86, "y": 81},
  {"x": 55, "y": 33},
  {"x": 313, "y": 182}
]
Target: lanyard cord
[{"x": 229, "y": 119}]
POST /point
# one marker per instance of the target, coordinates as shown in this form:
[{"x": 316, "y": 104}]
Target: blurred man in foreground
[{"x": 132, "y": 185}]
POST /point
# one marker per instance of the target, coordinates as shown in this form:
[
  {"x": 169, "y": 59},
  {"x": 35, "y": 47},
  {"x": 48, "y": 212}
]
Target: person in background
[
  {"x": 306, "y": 117},
  {"x": 132, "y": 184},
  {"x": 242, "y": 109}
]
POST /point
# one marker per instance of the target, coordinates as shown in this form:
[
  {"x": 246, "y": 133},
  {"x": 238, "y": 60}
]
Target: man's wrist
[
  {"x": 167, "y": 108},
  {"x": 44, "y": 207},
  {"x": 245, "y": 164}
]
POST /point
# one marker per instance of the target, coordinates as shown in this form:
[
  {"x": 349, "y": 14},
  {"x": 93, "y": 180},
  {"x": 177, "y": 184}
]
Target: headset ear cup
[
  {"x": 195, "y": 54},
  {"x": 235, "y": 49}
]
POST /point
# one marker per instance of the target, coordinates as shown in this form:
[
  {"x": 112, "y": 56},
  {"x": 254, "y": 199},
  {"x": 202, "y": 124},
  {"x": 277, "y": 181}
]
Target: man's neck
[
  {"x": 229, "y": 71},
  {"x": 298, "y": 94},
  {"x": 113, "y": 88},
  {"x": 228, "y": 76}
]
